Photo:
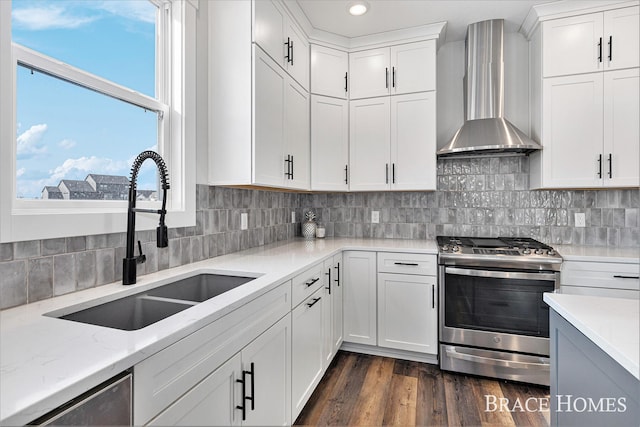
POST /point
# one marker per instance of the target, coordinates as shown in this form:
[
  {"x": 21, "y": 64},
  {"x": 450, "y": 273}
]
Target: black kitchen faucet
[{"x": 130, "y": 262}]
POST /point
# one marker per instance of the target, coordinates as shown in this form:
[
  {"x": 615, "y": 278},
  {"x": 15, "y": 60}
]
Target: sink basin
[
  {"x": 200, "y": 288},
  {"x": 130, "y": 313},
  {"x": 143, "y": 309}
]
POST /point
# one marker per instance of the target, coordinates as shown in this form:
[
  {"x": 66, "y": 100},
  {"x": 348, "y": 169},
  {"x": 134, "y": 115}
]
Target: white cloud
[
  {"x": 79, "y": 168},
  {"x": 45, "y": 18},
  {"x": 20, "y": 172},
  {"x": 28, "y": 141},
  {"x": 67, "y": 144},
  {"x": 139, "y": 10}
]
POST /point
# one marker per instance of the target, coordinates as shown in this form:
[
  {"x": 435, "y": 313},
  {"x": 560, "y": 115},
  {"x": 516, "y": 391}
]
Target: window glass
[
  {"x": 72, "y": 142},
  {"x": 114, "y": 39},
  {"x": 66, "y": 133}
]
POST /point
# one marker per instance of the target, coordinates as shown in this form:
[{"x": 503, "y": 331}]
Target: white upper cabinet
[
  {"x": 399, "y": 69},
  {"x": 413, "y": 67},
  {"x": 329, "y": 72},
  {"x": 369, "y": 144},
  {"x": 281, "y": 39},
  {"x": 622, "y": 128},
  {"x": 393, "y": 143},
  {"x": 369, "y": 73},
  {"x": 329, "y": 143},
  {"x": 413, "y": 141},
  {"x": 258, "y": 113},
  {"x": 593, "y": 42}
]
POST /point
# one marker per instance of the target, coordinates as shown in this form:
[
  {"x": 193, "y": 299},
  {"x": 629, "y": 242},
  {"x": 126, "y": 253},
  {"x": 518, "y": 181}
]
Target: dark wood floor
[{"x": 364, "y": 390}]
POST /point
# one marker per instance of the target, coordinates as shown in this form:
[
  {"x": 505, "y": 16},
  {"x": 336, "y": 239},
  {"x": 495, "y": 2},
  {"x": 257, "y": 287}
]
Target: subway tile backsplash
[{"x": 476, "y": 197}]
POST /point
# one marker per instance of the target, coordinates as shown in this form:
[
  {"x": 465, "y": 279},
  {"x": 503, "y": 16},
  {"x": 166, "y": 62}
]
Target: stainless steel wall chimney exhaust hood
[{"x": 485, "y": 130}]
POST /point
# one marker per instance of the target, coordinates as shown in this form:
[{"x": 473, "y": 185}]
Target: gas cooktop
[{"x": 511, "y": 252}]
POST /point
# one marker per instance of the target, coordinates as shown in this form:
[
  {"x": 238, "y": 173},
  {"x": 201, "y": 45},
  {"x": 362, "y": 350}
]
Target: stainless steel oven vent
[{"x": 485, "y": 130}]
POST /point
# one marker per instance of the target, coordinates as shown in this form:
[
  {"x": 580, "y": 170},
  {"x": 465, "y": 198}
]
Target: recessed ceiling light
[{"x": 357, "y": 8}]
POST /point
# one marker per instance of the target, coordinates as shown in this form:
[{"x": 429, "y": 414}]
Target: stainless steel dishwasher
[{"x": 108, "y": 404}]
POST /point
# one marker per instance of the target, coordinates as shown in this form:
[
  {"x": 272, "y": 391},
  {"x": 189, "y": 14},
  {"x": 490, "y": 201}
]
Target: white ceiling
[{"x": 388, "y": 15}]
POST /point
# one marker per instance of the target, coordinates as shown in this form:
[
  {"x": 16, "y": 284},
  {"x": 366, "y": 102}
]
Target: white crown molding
[
  {"x": 565, "y": 8},
  {"x": 336, "y": 41}
]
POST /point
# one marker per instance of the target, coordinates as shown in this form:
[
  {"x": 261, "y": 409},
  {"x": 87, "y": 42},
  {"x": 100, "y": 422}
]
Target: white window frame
[{"x": 22, "y": 220}]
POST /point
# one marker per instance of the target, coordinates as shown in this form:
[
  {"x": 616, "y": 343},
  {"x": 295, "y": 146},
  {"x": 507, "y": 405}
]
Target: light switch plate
[
  {"x": 244, "y": 221},
  {"x": 375, "y": 217},
  {"x": 580, "y": 219}
]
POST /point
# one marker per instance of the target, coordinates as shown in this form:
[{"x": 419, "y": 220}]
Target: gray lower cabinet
[{"x": 588, "y": 387}]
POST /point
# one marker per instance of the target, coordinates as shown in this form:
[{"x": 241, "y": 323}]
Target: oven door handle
[
  {"x": 451, "y": 352},
  {"x": 500, "y": 274}
]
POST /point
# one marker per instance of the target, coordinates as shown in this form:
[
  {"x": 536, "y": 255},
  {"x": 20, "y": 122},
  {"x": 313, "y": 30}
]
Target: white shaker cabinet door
[
  {"x": 360, "y": 297},
  {"x": 212, "y": 402},
  {"x": 337, "y": 309},
  {"x": 413, "y": 141},
  {"x": 369, "y": 73},
  {"x": 296, "y": 132},
  {"x": 572, "y": 132},
  {"x": 622, "y": 128},
  {"x": 573, "y": 45},
  {"x": 413, "y": 67},
  {"x": 329, "y": 143},
  {"x": 269, "y": 24},
  {"x": 297, "y": 58},
  {"x": 329, "y": 69},
  {"x": 369, "y": 148},
  {"x": 621, "y": 37},
  {"x": 407, "y": 313},
  {"x": 269, "y": 99},
  {"x": 270, "y": 357}
]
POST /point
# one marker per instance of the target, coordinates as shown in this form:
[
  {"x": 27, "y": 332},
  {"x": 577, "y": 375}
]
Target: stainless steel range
[{"x": 493, "y": 321}]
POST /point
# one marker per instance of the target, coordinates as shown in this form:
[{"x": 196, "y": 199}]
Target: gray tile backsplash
[
  {"x": 475, "y": 197},
  {"x": 35, "y": 270},
  {"x": 484, "y": 197}
]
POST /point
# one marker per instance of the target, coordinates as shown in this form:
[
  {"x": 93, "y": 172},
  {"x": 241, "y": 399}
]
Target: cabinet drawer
[
  {"x": 421, "y": 264},
  {"x": 168, "y": 374},
  {"x": 600, "y": 275},
  {"x": 306, "y": 283}
]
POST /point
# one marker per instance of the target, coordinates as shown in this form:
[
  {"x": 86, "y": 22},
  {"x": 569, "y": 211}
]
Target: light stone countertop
[
  {"x": 598, "y": 253},
  {"x": 45, "y": 362},
  {"x": 613, "y": 324}
]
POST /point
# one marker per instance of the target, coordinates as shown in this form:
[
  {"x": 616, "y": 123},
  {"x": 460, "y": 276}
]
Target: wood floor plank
[
  {"x": 369, "y": 408},
  {"x": 401, "y": 405},
  {"x": 348, "y": 386},
  {"x": 533, "y": 399},
  {"x": 357, "y": 388}
]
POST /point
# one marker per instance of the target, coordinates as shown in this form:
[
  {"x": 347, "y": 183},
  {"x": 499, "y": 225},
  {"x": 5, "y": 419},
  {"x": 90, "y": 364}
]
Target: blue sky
[{"x": 66, "y": 132}]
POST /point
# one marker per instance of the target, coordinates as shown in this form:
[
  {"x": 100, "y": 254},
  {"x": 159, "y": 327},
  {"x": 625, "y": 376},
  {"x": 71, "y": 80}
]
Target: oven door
[{"x": 500, "y": 310}]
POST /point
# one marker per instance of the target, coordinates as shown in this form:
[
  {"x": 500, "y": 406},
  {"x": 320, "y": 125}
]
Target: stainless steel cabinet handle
[
  {"x": 393, "y": 76},
  {"x": 288, "y": 45},
  {"x": 328, "y": 273},
  {"x": 413, "y": 264},
  {"x": 610, "y": 48},
  {"x": 393, "y": 173},
  {"x": 610, "y": 166},
  {"x": 337, "y": 279},
  {"x": 433, "y": 296},
  {"x": 346, "y": 82},
  {"x": 386, "y": 78},
  {"x": 600, "y": 166},
  {"x": 619, "y": 276},
  {"x": 346, "y": 174},
  {"x": 386, "y": 179},
  {"x": 600, "y": 50}
]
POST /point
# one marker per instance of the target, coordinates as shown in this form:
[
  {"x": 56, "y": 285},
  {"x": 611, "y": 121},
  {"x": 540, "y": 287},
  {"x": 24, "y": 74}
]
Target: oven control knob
[
  {"x": 551, "y": 252},
  {"x": 445, "y": 248},
  {"x": 456, "y": 249},
  {"x": 539, "y": 251},
  {"x": 526, "y": 251}
]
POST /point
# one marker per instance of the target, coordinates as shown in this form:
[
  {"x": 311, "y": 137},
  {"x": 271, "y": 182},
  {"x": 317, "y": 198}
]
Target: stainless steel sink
[
  {"x": 200, "y": 288},
  {"x": 143, "y": 309},
  {"x": 130, "y": 313}
]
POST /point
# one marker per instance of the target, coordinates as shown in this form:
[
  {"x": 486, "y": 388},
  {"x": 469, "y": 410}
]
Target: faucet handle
[{"x": 142, "y": 257}]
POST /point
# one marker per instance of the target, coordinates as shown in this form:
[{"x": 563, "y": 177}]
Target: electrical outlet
[
  {"x": 580, "y": 219},
  {"x": 293, "y": 216},
  {"x": 244, "y": 221},
  {"x": 375, "y": 217}
]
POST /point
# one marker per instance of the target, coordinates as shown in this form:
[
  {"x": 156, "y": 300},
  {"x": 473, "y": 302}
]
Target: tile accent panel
[
  {"x": 39, "y": 269},
  {"x": 484, "y": 197}
]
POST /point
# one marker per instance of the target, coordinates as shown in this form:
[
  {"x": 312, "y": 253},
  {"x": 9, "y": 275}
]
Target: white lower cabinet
[
  {"x": 407, "y": 314},
  {"x": 600, "y": 278},
  {"x": 307, "y": 355},
  {"x": 250, "y": 389},
  {"x": 332, "y": 308},
  {"x": 360, "y": 297}
]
